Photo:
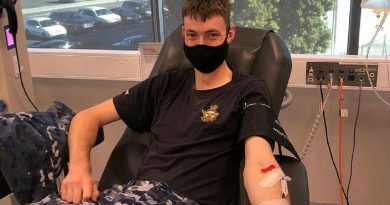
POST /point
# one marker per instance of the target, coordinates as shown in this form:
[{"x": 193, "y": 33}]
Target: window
[
  {"x": 368, "y": 26},
  {"x": 315, "y": 27},
  {"x": 308, "y": 27},
  {"x": 82, "y": 24}
]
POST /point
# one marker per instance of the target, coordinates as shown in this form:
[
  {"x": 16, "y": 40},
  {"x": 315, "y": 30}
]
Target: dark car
[
  {"x": 73, "y": 21},
  {"x": 127, "y": 15},
  {"x": 130, "y": 43},
  {"x": 56, "y": 43},
  {"x": 143, "y": 8}
]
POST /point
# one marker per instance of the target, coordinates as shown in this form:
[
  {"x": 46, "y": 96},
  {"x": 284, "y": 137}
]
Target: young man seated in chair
[{"x": 197, "y": 118}]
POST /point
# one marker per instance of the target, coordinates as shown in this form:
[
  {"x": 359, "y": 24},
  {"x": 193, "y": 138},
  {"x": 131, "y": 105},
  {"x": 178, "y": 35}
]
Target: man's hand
[{"x": 79, "y": 185}]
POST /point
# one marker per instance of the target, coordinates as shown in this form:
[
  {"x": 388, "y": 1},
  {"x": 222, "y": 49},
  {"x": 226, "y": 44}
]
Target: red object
[{"x": 269, "y": 168}]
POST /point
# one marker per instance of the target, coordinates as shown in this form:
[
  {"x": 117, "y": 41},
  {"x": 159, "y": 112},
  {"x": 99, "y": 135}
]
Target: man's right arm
[{"x": 79, "y": 185}]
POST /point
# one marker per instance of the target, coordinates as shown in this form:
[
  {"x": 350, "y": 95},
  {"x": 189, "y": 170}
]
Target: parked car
[
  {"x": 73, "y": 21},
  {"x": 143, "y": 8},
  {"x": 127, "y": 16},
  {"x": 56, "y": 43},
  {"x": 102, "y": 16},
  {"x": 166, "y": 11},
  {"x": 44, "y": 27},
  {"x": 69, "y": 1},
  {"x": 130, "y": 43}
]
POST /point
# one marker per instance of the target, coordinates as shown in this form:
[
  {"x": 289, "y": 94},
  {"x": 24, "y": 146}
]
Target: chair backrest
[{"x": 257, "y": 52}]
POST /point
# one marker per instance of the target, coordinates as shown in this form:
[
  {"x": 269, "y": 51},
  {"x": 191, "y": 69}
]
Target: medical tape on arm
[{"x": 272, "y": 177}]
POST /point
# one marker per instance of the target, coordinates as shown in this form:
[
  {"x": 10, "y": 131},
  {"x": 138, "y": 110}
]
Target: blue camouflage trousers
[
  {"x": 34, "y": 151},
  {"x": 136, "y": 192}
]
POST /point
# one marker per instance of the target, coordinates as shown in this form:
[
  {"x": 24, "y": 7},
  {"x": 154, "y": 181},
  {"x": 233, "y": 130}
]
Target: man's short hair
[{"x": 205, "y": 9}]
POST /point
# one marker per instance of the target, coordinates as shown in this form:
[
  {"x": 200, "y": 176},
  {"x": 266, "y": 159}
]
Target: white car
[
  {"x": 102, "y": 16},
  {"x": 44, "y": 27}
]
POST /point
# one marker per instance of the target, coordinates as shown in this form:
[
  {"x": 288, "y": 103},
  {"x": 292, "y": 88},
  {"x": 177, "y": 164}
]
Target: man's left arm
[{"x": 258, "y": 156}]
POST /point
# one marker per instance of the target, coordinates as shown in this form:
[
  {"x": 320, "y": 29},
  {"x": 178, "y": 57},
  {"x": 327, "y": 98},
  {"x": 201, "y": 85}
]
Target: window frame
[{"x": 354, "y": 28}]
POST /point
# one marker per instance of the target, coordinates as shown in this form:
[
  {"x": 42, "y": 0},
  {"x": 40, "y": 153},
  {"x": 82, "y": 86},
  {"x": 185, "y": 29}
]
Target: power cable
[
  {"x": 317, "y": 119},
  {"x": 20, "y": 75},
  {"x": 341, "y": 98},
  {"x": 354, "y": 137},
  {"x": 328, "y": 144}
]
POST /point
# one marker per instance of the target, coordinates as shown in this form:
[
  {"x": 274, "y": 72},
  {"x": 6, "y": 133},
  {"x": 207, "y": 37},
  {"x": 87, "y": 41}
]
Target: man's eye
[
  {"x": 213, "y": 35},
  {"x": 190, "y": 35}
]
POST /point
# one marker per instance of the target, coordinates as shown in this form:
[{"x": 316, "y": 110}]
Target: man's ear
[
  {"x": 182, "y": 31},
  {"x": 231, "y": 33}
]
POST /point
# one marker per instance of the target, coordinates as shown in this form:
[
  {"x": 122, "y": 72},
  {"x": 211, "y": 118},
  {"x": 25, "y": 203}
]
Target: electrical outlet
[
  {"x": 351, "y": 74},
  {"x": 16, "y": 66},
  {"x": 344, "y": 112}
]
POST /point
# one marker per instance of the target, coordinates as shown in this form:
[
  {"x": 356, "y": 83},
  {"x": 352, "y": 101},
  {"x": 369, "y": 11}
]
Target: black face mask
[{"x": 206, "y": 58}]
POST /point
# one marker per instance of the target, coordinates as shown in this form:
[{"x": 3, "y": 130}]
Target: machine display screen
[{"x": 9, "y": 38}]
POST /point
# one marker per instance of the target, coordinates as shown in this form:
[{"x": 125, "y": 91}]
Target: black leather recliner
[
  {"x": 258, "y": 52},
  {"x": 4, "y": 188}
]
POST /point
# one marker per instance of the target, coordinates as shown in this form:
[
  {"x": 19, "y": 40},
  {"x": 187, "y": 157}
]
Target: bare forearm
[
  {"x": 82, "y": 135},
  {"x": 258, "y": 156},
  {"x": 84, "y": 128}
]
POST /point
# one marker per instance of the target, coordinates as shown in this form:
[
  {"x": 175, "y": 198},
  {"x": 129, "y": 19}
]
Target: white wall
[{"x": 370, "y": 166}]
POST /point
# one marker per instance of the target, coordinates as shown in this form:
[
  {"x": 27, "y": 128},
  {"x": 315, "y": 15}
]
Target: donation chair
[
  {"x": 257, "y": 52},
  {"x": 4, "y": 188}
]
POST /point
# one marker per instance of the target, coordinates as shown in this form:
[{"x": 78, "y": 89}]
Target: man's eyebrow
[
  {"x": 213, "y": 31},
  {"x": 190, "y": 30},
  {"x": 208, "y": 31}
]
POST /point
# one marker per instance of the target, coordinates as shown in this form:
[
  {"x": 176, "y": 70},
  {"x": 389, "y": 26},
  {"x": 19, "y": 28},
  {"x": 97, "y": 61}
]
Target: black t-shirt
[{"x": 196, "y": 143}]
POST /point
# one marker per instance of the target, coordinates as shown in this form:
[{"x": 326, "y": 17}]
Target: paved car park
[{"x": 96, "y": 38}]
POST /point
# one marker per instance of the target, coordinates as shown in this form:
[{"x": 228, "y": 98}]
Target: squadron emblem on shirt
[{"x": 211, "y": 114}]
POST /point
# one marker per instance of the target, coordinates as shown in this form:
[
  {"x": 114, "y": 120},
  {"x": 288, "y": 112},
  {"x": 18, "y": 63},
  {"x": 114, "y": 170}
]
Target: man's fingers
[
  {"x": 63, "y": 191},
  {"x": 87, "y": 191},
  {"x": 77, "y": 193},
  {"x": 76, "y": 188},
  {"x": 69, "y": 194},
  {"x": 95, "y": 192}
]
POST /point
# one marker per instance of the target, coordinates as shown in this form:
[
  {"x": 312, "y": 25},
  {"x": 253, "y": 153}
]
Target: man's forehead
[{"x": 215, "y": 23}]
